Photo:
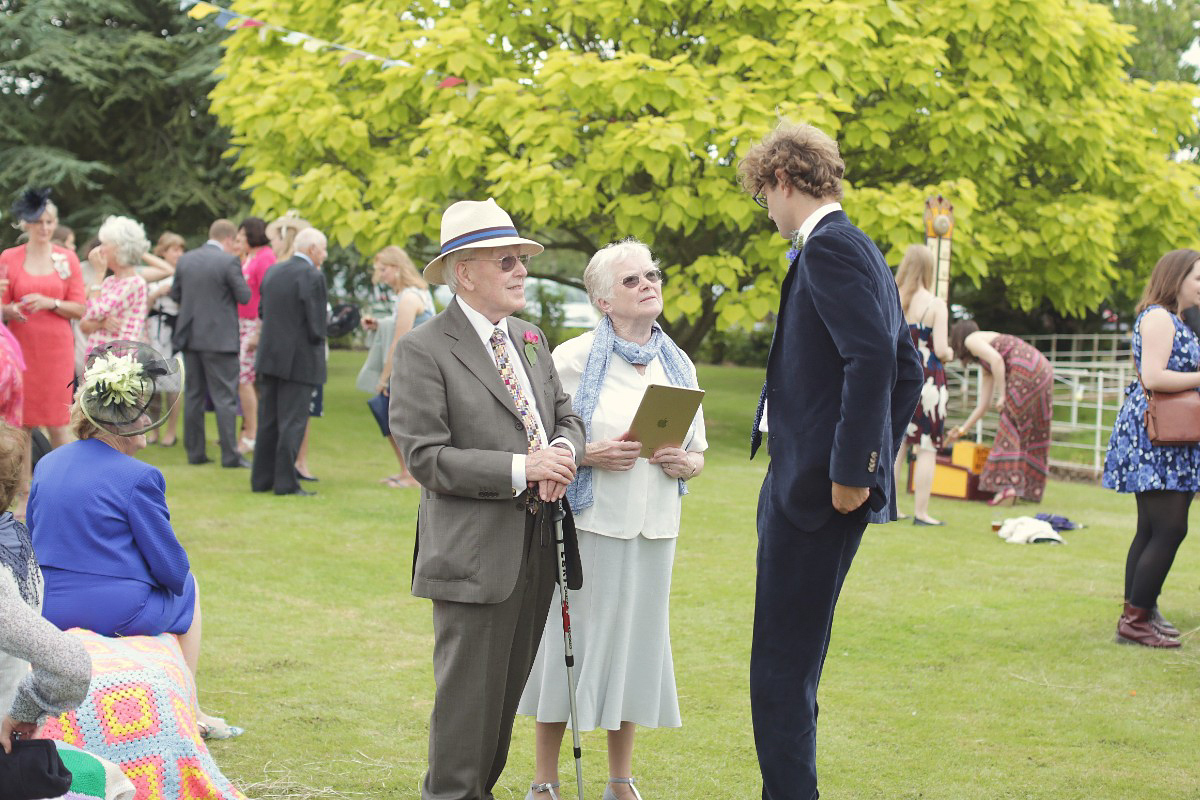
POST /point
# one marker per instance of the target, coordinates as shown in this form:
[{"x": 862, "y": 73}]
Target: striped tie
[{"x": 500, "y": 349}]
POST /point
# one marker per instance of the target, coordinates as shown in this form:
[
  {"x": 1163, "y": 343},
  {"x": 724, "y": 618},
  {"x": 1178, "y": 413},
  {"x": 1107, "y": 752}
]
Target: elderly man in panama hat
[{"x": 485, "y": 427}]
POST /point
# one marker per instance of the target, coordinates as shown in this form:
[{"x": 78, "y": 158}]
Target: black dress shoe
[
  {"x": 200, "y": 461},
  {"x": 241, "y": 463},
  {"x": 304, "y": 477},
  {"x": 300, "y": 492}
]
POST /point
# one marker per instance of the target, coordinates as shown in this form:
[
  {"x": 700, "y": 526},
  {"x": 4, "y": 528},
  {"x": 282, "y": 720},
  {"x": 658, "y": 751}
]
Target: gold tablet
[{"x": 664, "y": 416}]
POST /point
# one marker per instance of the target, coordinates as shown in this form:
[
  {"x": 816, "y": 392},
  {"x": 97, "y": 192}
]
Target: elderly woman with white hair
[
  {"x": 119, "y": 311},
  {"x": 627, "y": 512}
]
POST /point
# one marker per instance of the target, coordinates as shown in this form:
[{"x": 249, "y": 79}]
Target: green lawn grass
[{"x": 961, "y": 667}]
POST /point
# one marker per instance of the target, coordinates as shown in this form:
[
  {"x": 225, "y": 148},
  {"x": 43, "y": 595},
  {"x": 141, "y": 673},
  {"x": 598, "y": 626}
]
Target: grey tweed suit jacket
[
  {"x": 208, "y": 286},
  {"x": 458, "y": 428}
]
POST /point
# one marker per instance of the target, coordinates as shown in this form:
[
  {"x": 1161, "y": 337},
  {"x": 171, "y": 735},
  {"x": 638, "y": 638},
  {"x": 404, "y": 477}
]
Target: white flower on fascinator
[{"x": 114, "y": 380}]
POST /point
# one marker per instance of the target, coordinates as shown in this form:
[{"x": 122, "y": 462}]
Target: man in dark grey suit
[
  {"x": 486, "y": 428},
  {"x": 290, "y": 361},
  {"x": 208, "y": 286}
]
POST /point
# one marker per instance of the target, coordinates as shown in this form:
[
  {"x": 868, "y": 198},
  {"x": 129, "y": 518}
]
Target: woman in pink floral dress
[{"x": 119, "y": 311}]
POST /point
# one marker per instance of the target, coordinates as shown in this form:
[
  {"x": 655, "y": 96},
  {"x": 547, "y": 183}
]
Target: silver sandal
[
  {"x": 608, "y": 792},
  {"x": 543, "y": 788}
]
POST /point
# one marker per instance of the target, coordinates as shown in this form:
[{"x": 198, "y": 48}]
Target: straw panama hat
[{"x": 471, "y": 223}]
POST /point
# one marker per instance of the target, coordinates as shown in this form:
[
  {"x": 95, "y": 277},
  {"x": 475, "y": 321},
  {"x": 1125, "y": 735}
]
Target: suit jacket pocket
[{"x": 449, "y": 545}]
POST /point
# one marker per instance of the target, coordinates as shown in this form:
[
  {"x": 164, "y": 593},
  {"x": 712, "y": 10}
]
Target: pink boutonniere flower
[{"x": 531, "y": 343}]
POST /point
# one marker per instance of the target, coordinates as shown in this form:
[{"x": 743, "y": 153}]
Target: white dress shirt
[
  {"x": 806, "y": 229},
  {"x": 484, "y": 328}
]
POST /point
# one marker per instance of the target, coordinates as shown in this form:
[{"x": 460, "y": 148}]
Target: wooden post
[{"x": 939, "y": 228}]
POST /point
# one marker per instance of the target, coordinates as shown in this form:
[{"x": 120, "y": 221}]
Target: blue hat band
[{"x": 481, "y": 235}]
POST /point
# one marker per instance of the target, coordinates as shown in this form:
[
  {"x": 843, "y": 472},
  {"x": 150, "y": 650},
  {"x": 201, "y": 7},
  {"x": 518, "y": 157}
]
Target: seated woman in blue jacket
[{"x": 100, "y": 524}]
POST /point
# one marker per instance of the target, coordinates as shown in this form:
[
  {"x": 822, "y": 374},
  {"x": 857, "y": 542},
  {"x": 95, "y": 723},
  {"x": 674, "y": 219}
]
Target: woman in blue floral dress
[{"x": 1163, "y": 478}]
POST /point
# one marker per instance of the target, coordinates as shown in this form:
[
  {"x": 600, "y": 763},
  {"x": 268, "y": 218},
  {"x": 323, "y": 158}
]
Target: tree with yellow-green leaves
[{"x": 591, "y": 122}]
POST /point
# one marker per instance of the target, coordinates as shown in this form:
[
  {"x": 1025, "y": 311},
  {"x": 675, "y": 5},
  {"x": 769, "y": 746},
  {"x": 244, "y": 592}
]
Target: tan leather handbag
[{"x": 1172, "y": 418}]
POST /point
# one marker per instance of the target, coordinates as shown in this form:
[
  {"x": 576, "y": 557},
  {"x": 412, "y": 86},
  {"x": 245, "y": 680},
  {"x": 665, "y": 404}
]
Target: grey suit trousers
[
  {"x": 482, "y": 654},
  {"x": 215, "y": 374}
]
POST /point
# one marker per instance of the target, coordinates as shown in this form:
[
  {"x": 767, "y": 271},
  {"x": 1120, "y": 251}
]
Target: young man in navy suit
[{"x": 843, "y": 379}]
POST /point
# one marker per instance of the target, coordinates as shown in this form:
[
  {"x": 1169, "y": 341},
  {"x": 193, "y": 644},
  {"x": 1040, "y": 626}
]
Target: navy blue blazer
[{"x": 843, "y": 377}]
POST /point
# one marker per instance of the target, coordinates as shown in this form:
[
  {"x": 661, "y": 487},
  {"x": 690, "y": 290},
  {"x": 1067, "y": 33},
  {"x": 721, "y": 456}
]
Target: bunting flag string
[{"x": 233, "y": 20}]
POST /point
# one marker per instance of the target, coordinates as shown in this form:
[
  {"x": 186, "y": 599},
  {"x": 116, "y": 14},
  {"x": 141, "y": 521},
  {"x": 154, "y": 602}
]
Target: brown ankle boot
[{"x": 1135, "y": 627}]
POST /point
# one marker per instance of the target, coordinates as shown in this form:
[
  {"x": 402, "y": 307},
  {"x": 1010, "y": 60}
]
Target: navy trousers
[{"x": 800, "y": 575}]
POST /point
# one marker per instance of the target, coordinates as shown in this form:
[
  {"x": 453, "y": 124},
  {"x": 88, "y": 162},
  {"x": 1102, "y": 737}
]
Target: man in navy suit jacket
[{"x": 843, "y": 379}]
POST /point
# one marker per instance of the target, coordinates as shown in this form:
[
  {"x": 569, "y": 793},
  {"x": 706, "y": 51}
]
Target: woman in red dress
[{"x": 44, "y": 293}]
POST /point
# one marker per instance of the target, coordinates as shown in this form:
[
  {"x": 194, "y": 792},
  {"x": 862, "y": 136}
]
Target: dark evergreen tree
[{"x": 106, "y": 101}]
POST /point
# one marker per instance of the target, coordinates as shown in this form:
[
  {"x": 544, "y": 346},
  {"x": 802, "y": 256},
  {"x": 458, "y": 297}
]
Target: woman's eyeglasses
[
  {"x": 507, "y": 264},
  {"x": 760, "y": 197},
  {"x": 651, "y": 276}
]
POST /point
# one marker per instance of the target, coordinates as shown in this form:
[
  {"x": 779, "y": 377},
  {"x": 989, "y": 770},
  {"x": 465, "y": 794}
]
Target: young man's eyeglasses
[
  {"x": 507, "y": 264},
  {"x": 651, "y": 276},
  {"x": 760, "y": 197}
]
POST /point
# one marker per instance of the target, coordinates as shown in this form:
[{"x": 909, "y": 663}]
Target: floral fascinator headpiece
[
  {"x": 120, "y": 381},
  {"x": 30, "y": 204}
]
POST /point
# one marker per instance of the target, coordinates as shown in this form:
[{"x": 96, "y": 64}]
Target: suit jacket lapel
[{"x": 474, "y": 356}]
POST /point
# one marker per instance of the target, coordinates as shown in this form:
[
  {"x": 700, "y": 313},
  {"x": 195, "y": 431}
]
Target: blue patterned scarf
[{"x": 660, "y": 346}]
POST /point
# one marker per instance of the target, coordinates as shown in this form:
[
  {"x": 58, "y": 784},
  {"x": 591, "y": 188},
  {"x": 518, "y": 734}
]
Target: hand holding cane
[{"x": 561, "y": 548}]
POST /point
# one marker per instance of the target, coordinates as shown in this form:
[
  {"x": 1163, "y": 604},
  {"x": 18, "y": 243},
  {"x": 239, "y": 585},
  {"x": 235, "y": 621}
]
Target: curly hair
[
  {"x": 13, "y": 444},
  {"x": 807, "y": 156},
  {"x": 127, "y": 236}
]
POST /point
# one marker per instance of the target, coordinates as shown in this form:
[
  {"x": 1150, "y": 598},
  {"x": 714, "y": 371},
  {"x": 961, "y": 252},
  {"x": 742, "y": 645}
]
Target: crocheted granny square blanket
[{"x": 139, "y": 715}]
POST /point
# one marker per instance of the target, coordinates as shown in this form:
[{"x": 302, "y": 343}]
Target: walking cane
[{"x": 561, "y": 546}]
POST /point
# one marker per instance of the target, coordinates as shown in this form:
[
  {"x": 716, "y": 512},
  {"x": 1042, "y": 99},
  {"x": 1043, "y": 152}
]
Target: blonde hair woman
[
  {"x": 414, "y": 305},
  {"x": 928, "y": 319},
  {"x": 42, "y": 289},
  {"x": 281, "y": 234}
]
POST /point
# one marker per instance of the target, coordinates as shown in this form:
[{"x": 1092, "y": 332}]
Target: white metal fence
[{"x": 1091, "y": 373}]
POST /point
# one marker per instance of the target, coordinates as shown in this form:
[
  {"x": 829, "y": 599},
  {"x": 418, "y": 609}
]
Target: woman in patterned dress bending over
[
  {"x": 1023, "y": 380},
  {"x": 927, "y": 318},
  {"x": 1163, "y": 478}
]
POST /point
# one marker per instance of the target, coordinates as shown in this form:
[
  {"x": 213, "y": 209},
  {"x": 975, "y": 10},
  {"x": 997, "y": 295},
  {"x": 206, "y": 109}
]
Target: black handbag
[{"x": 33, "y": 771}]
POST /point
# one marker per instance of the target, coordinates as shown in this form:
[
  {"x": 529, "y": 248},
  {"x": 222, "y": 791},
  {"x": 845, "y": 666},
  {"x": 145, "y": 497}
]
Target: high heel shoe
[
  {"x": 542, "y": 788},
  {"x": 1007, "y": 497},
  {"x": 608, "y": 792}
]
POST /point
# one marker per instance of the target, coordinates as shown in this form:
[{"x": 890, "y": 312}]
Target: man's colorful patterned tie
[{"x": 500, "y": 349}]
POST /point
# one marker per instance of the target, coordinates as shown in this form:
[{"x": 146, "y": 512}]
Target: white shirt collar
[
  {"x": 216, "y": 244},
  {"x": 806, "y": 227},
  {"x": 306, "y": 258},
  {"x": 482, "y": 325}
]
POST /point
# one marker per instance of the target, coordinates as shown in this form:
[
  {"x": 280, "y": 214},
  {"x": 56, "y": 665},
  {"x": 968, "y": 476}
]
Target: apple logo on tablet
[{"x": 662, "y": 423}]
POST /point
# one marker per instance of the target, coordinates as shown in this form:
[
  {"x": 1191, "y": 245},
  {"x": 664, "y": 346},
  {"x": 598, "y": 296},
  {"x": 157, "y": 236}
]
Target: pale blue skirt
[{"x": 622, "y": 639}]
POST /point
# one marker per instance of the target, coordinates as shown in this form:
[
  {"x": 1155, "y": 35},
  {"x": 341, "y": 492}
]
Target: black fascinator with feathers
[{"x": 30, "y": 205}]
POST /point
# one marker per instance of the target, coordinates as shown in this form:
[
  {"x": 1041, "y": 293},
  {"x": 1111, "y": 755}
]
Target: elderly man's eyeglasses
[
  {"x": 651, "y": 276},
  {"x": 760, "y": 197},
  {"x": 507, "y": 264}
]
